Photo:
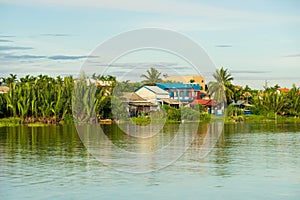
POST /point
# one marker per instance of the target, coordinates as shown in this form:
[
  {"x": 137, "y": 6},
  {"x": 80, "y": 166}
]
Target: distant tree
[
  {"x": 274, "y": 88},
  {"x": 152, "y": 77},
  {"x": 10, "y": 80}
]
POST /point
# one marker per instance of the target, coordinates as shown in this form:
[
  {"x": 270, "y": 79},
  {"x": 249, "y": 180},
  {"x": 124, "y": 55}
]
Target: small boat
[{"x": 105, "y": 121}]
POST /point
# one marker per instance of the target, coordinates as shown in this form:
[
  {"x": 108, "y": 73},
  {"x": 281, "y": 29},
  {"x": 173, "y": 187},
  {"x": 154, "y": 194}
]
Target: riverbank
[
  {"x": 261, "y": 119},
  {"x": 16, "y": 121},
  {"x": 255, "y": 119}
]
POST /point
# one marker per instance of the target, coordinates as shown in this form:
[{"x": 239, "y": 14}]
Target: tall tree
[
  {"x": 152, "y": 77},
  {"x": 221, "y": 89},
  {"x": 271, "y": 102}
]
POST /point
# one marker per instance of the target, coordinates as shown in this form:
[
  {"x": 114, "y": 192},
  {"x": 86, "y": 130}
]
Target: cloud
[
  {"x": 223, "y": 45},
  {"x": 131, "y": 65},
  {"x": 292, "y": 55},
  {"x": 6, "y": 36},
  {"x": 24, "y": 56},
  {"x": 249, "y": 71},
  {"x": 65, "y": 57},
  {"x": 1, "y": 40},
  {"x": 7, "y": 48},
  {"x": 55, "y": 35},
  {"x": 58, "y": 57}
]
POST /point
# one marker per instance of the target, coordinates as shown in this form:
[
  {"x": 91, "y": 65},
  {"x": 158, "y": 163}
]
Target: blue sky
[{"x": 256, "y": 40}]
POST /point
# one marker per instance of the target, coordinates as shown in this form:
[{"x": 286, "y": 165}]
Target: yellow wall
[{"x": 186, "y": 79}]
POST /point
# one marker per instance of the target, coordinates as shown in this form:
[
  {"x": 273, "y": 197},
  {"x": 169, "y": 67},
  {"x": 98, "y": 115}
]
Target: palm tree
[
  {"x": 152, "y": 77},
  {"x": 10, "y": 80},
  {"x": 293, "y": 98},
  {"x": 221, "y": 89},
  {"x": 272, "y": 102}
]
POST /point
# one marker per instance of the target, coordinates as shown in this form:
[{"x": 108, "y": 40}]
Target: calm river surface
[{"x": 250, "y": 161}]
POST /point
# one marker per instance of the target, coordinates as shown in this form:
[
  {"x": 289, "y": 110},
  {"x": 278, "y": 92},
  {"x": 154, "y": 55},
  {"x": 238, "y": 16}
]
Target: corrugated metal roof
[
  {"x": 131, "y": 96},
  {"x": 178, "y": 86},
  {"x": 156, "y": 90}
]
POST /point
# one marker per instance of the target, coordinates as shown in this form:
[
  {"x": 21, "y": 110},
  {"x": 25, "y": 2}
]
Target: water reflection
[{"x": 249, "y": 161}]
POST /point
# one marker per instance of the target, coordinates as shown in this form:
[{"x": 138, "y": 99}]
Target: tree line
[
  {"x": 49, "y": 100},
  {"x": 267, "y": 102}
]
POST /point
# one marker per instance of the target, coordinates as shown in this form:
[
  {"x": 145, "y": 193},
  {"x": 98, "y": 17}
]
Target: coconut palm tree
[
  {"x": 10, "y": 81},
  {"x": 221, "y": 89},
  {"x": 152, "y": 77}
]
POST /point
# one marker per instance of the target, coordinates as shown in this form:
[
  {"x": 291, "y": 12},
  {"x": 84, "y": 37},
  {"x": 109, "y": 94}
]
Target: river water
[{"x": 249, "y": 161}]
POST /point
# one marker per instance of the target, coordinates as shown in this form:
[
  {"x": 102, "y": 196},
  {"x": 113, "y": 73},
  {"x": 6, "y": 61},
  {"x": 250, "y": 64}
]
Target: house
[
  {"x": 207, "y": 104},
  {"x": 105, "y": 85},
  {"x": 136, "y": 105},
  {"x": 243, "y": 105},
  {"x": 283, "y": 90},
  {"x": 153, "y": 94},
  {"x": 3, "y": 89},
  {"x": 189, "y": 79},
  {"x": 156, "y": 96},
  {"x": 183, "y": 93}
]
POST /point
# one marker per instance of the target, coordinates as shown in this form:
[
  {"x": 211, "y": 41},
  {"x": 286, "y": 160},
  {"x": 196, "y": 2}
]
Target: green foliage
[
  {"x": 234, "y": 111},
  {"x": 126, "y": 86},
  {"x": 11, "y": 121},
  {"x": 141, "y": 120},
  {"x": 183, "y": 113},
  {"x": 152, "y": 77},
  {"x": 173, "y": 114},
  {"x": 293, "y": 101},
  {"x": 271, "y": 102},
  {"x": 189, "y": 114},
  {"x": 221, "y": 89},
  {"x": 51, "y": 100}
]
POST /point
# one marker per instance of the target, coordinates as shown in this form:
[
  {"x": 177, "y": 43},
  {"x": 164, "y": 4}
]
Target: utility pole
[{"x": 266, "y": 84}]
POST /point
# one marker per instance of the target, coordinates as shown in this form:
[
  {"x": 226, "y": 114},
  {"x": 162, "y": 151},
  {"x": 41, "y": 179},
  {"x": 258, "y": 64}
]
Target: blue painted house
[{"x": 185, "y": 93}]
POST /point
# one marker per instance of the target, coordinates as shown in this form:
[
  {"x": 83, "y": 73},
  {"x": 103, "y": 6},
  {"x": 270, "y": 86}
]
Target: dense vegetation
[
  {"x": 268, "y": 102},
  {"x": 49, "y": 100},
  {"x": 40, "y": 98}
]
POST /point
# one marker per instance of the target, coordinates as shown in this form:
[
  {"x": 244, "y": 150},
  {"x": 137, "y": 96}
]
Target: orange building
[{"x": 189, "y": 79}]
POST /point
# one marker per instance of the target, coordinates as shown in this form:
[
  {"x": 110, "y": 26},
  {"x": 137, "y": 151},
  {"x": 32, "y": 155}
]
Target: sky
[{"x": 258, "y": 41}]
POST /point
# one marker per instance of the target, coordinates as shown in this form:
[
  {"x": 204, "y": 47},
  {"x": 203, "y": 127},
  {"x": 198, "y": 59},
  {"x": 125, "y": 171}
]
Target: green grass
[
  {"x": 37, "y": 124},
  {"x": 10, "y": 121},
  {"x": 258, "y": 119},
  {"x": 141, "y": 120},
  {"x": 255, "y": 119}
]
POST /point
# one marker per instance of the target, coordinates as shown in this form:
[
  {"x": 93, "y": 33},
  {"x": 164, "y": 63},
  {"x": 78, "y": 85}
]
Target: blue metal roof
[{"x": 166, "y": 86}]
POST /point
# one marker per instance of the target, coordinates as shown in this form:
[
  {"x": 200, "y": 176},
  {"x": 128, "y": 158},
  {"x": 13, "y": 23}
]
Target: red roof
[
  {"x": 205, "y": 102},
  {"x": 286, "y": 90}
]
